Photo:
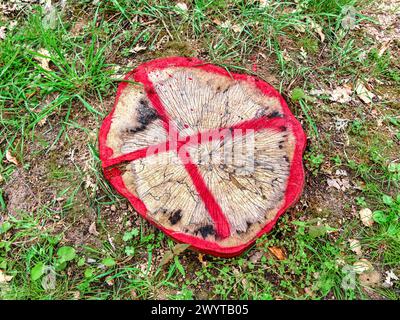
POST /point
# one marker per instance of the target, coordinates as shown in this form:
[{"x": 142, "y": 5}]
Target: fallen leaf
[
  {"x": 286, "y": 55},
  {"x": 11, "y": 158},
  {"x": 77, "y": 28},
  {"x": 200, "y": 257},
  {"x": 236, "y": 28},
  {"x": 300, "y": 28},
  {"x": 181, "y": 6},
  {"x": 341, "y": 94},
  {"x": 76, "y": 295},
  {"x": 93, "y": 230},
  {"x": 137, "y": 49},
  {"x": 2, "y": 33},
  {"x": 366, "y": 217},
  {"x": 43, "y": 59},
  {"x": 4, "y": 278},
  {"x": 117, "y": 73},
  {"x": 256, "y": 257},
  {"x": 317, "y": 28},
  {"x": 217, "y": 21},
  {"x": 341, "y": 172},
  {"x": 384, "y": 47},
  {"x": 355, "y": 246},
  {"x": 303, "y": 53},
  {"x": 42, "y": 121},
  {"x": 49, "y": 20},
  {"x": 349, "y": 18},
  {"x": 390, "y": 275},
  {"x": 264, "y": 3},
  {"x": 333, "y": 183},
  {"x": 339, "y": 184},
  {"x": 341, "y": 124},
  {"x": 226, "y": 24},
  {"x": 370, "y": 278},
  {"x": 167, "y": 257},
  {"x": 363, "y": 265},
  {"x": 278, "y": 252},
  {"x": 133, "y": 294},
  {"x": 110, "y": 281},
  {"x": 364, "y": 94},
  {"x": 179, "y": 248},
  {"x": 318, "y": 92}
]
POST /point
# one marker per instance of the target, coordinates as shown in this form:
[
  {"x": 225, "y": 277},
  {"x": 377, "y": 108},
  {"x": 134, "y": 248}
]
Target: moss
[
  {"x": 176, "y": 48},
  {"x": 309, "y": 44}
]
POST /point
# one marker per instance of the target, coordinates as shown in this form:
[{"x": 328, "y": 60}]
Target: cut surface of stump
[{"x": 211, "y": 158}]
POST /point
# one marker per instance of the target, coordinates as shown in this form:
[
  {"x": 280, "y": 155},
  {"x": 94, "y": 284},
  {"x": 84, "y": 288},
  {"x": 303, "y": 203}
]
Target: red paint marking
[
  {"x": 142, "y": 153},
  {"x": 221, "y": 223},
  {"x": 296, "y": 178},
  {"x": 201, "y": 137},
  {"x": 213, "y": 208},
  {"x": 141, "y": 75}
]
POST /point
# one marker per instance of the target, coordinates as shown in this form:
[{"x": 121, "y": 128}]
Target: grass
[{"x": 57, "y": 84}]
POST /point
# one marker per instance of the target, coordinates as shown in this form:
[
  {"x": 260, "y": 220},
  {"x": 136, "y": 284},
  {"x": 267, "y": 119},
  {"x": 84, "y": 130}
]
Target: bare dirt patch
[{"x": 19, "y": 194}]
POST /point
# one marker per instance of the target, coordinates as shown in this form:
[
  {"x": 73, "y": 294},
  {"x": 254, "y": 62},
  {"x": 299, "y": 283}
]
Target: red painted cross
[{"x": 179, "y": 145}]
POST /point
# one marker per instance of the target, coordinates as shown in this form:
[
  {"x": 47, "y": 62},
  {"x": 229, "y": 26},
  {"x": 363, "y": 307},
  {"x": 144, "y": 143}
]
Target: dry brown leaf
[
  {"x": 181, "y": 6},
  {"x": 355, "y": 246},
  {"x": 93, "y": 230},
  {"x": 77, "y": 28},
  {"x": 286, "y": 55},
  {"x": 300, "y": 28},
  {"x": 278, "y": 252},
  {"x": 370, "y": 278},
  {"x": 364, "y": 94},
  {"x": 49, "y": 20},
  {"x": 341, "y": 94},
  {"x": 363, "y": 265},
  {"x": 134, "y": 295},
  {"x": 236, "y": 28},
  {"x": 349, "y": 19},
  {"x": 217, "y": 21},
  {"x": 4, "y": 278},
  {"x": 42, "y": 121},
  {"x": 2, "y": 33},
  {"x": 390, "y": 275},
  {"x": 384, "y": 47},
  {"x": 341, "y": 172},
  {"x": 110, "y": 281},
  {"x": 167, "y": 257},
  {"x": 179, "y": 248},
  {"x": 200, "y": 257},
  {"x": 256, "y": 257},
  {"x": 317, "y": 28},
  {"x": 303, "y": 53},
  {"x": 11, "y": 158},
  {"x": 137, "y": 49},
  {"x": 43, "y": 59},
  {"x": 366, "y": 217},
  {"x": 264, "y": 3},
  {"x": 337, "y": 183}
]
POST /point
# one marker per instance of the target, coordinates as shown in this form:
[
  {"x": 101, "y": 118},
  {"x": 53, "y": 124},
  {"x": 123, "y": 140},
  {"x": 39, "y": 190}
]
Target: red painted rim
[{"x": 140, "y": 74}]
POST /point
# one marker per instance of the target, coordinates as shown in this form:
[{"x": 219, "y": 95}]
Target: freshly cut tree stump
[{"x": 211, "y": 158}]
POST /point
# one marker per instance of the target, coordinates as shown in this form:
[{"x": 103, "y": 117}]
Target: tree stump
[{"x": 211, "y": 158}]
